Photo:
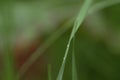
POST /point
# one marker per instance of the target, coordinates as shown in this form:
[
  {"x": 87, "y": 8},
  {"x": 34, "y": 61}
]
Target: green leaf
[{"x": 81, "y": 16}]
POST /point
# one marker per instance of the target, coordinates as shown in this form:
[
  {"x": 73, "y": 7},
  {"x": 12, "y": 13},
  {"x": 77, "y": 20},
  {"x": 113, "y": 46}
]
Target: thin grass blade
[{"x": 80, "y": 18}]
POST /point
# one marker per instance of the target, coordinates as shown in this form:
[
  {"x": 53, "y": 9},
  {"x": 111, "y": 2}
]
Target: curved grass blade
[{"x": 81, "y": 16}]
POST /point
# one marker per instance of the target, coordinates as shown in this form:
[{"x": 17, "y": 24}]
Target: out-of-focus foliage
[{"x": 97, "y": 43}]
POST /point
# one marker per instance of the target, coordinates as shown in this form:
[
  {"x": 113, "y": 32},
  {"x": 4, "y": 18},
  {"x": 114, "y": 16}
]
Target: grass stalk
[{"x": 80, "y": 18}]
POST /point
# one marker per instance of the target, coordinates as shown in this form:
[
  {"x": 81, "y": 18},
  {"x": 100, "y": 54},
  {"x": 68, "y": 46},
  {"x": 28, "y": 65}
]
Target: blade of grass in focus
[
  {"x": 80, "y": 18},
  {"x": 74, "y": 68},
  {"x": 49, "y": 72}
]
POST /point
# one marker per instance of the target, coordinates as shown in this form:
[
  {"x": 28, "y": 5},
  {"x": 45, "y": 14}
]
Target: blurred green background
[{"x": 27, "y": 24}]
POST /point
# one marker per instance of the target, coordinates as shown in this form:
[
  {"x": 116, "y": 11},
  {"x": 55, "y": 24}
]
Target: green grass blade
[
  {"x": 49, "y": 72},
  {"x": 82, "y": 14},
  {"x": 78, "y": 22},
  {"x": 74, "y": 68}
]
